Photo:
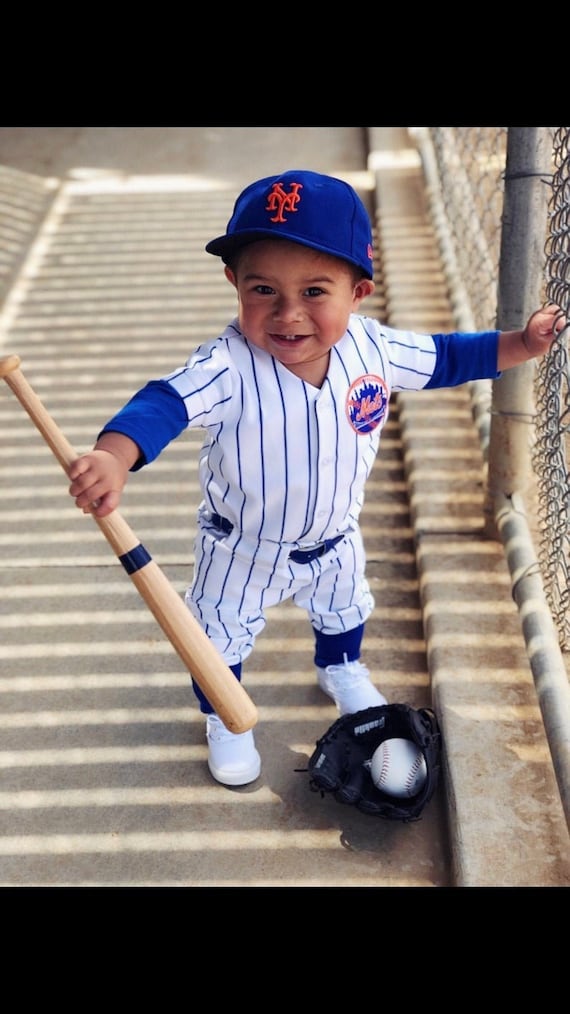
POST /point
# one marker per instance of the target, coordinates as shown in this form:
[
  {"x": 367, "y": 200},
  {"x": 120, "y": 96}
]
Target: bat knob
[{"x": 8, "y": 364}]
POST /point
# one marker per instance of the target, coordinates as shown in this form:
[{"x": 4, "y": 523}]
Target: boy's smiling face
[{"x": 294, "y": 302}]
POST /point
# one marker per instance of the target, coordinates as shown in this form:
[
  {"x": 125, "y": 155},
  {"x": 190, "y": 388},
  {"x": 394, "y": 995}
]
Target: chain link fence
[
  {"x": 465, "y": 172},
  {"x": 553, "y": 400}
]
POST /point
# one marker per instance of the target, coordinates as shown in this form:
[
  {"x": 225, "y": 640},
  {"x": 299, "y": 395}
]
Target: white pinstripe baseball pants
[{"x": 235, "y": 582}]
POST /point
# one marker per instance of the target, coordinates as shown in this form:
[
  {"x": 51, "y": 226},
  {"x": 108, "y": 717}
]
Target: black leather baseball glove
[{"x": 341, "y": 762}]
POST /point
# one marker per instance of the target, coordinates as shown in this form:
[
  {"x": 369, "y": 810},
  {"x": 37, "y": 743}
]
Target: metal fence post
[
  {"x": 510, "y": 478},
  {"x": 520, "y": 292}
]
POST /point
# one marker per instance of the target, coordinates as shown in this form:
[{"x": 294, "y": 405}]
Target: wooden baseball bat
[{"x": 214, "y": 677}]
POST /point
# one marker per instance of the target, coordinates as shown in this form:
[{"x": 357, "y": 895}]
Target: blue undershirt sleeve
[
  {"x": 462, "y": 357},
  {"x": 153, "y": 417}
]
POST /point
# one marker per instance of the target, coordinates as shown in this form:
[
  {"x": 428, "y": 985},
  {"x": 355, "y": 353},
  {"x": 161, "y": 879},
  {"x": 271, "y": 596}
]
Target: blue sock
[{"x": 331, "y": 648}]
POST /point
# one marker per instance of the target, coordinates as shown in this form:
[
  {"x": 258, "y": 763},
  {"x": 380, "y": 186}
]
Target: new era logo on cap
[{"x": 305, "y": 207}]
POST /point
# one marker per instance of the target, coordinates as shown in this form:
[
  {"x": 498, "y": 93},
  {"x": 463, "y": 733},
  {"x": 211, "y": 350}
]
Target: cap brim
[{"x": 225, "y": 246}]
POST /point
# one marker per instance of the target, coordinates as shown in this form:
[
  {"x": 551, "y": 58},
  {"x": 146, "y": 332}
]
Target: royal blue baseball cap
[{"x": 305, "y": 207}]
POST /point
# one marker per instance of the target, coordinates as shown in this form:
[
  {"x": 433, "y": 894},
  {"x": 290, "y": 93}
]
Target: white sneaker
[
  {"x": 232, "y": 757},
  {"x": 349, "y": 685}
]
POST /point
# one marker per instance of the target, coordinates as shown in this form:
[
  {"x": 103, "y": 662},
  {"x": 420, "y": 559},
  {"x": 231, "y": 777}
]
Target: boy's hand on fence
[
  {"x": 517, "y": 347},
  {"x": 542, "y": 328}
]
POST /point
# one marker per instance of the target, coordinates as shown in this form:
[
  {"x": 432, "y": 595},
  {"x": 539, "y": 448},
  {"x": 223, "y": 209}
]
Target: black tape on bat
[{"x": 135, "y": 559}]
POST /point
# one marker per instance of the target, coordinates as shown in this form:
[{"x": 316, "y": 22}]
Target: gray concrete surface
[{"x": 105, "y": 283}]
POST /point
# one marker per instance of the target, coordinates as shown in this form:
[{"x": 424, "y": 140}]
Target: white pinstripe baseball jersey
[{"x": 282, "y": 460}]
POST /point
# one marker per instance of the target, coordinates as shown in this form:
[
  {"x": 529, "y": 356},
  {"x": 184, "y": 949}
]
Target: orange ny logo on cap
[{"x": 280, "y": 202}]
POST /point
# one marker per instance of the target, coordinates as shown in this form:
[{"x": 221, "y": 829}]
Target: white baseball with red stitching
[{"x": 398, "y": 767}]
